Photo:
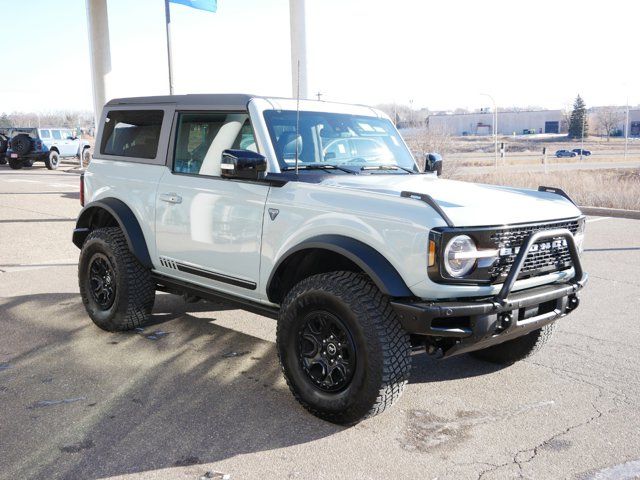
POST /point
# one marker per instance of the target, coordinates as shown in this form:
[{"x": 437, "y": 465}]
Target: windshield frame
[{"x": 402, "y": 159}]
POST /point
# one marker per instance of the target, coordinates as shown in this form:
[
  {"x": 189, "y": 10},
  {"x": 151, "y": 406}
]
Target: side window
[
  {"x": 202, "y": 137},
  {"x": 56, "y": 134},
  {"x": 45, "y": 134},
  {"x": 132, "y": 133}
]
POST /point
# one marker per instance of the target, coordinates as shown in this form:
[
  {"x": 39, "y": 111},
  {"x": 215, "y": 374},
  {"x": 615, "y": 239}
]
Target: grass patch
[{"x": 594, "y": 188}]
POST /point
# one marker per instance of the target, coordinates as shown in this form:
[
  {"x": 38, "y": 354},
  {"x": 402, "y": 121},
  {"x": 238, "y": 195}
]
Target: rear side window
[
  {"x": 56, "y": 134},
  {"x": 45, "y": 134},
  {"x": 132, "y": 133}
]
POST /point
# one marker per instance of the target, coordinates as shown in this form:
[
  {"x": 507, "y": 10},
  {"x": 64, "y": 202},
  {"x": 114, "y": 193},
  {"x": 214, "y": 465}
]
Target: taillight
[
  {"x": 82, "y": 189},
  {"x": 38, "y": 145}
]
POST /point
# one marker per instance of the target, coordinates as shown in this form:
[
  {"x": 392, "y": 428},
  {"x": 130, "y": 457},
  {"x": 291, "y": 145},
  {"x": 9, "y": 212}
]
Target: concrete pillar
[
  {"x": 298, "y": 47},
  {"x": 100, "y": 54}
]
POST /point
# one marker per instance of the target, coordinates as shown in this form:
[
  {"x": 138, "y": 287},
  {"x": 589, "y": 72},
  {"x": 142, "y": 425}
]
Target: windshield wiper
[
  {"x": 320, "y": 167},
  {"x": 387, "y": 167}
]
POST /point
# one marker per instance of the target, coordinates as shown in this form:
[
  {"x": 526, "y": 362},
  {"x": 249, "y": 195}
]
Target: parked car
[
  {"x": 565, "y": 153},
  {"x": 4, "y": 143},
  {"x": 359, "y": 255},
  {"x": 586, "y": 153},
  {"x": 48, "y": 145}
]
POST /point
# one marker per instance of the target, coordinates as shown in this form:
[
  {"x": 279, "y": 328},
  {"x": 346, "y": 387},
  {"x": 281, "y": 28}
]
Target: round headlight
[{"x": 458, "y": 256}]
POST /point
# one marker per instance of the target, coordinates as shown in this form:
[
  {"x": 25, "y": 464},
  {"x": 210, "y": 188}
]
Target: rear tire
[
  {"x": 117, "y": 291},
  {"x": 343, "y": 352},
  {"x": 52, "y": 161},
  {"x": 15, "y": 163},
  {"x": 516, "y": 349},
  {"x": 3, "y": 161}
]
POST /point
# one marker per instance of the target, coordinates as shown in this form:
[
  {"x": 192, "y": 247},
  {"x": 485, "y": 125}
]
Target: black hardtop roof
[{"x": 228, "y": 100}]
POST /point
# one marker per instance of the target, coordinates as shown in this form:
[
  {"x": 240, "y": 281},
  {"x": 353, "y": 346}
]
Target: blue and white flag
[{"x": 208, "y": 5}]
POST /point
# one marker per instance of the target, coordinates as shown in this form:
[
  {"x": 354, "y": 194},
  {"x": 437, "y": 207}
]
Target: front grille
[{"x": 538, "y": 262}]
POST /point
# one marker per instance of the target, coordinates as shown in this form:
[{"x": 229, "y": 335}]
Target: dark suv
[{"x": 4, "y": 143}]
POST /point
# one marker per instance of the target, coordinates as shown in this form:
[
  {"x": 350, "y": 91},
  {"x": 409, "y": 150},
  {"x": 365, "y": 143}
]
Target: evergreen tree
[
  {"x": 4, "y": 120},
  {"x": 578, "y": 119}
]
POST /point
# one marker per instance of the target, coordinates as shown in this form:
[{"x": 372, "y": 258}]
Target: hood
[{"x": 467, "y": 204}]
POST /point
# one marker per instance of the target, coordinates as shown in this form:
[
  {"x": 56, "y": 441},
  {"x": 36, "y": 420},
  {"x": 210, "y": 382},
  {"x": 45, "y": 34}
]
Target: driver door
[{"x": 209, "y": 229}]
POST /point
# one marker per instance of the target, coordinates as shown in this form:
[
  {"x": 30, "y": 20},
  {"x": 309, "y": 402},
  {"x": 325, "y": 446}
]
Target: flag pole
[{"x": 168, "y": 17}]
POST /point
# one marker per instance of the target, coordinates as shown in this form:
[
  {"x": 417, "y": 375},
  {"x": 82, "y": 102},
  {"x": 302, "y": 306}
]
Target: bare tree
[
  {"x": 566, "y": 118},
  {"x": 428, "y": 140},
  {"x": 608, "y": 118}
]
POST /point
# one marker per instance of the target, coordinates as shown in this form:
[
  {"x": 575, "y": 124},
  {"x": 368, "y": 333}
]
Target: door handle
[{"x": 171, "y": 197}]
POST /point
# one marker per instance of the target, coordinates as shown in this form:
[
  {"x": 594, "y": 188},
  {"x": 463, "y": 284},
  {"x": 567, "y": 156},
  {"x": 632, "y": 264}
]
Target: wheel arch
[
  {"x": 326, "y": 253},
  {"x": 54, "y": 149},
  {"x": 113, "y": 212}
]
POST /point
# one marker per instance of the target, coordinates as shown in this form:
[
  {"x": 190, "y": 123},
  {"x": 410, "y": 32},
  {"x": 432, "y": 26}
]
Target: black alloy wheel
[
  {"x": 326, "y": 351},
  {"x": 102, "y": 281}
]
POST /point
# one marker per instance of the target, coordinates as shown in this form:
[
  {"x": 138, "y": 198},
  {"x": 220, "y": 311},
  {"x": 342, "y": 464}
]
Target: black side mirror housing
[
  {"x": 433, "y": 163},
  {"x": 243, "y": 164}
]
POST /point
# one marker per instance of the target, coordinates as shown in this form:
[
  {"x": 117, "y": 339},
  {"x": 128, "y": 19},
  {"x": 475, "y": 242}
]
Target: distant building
[
  {"x": 481, "y": 123},
  {"x": 634, "y": 124}
]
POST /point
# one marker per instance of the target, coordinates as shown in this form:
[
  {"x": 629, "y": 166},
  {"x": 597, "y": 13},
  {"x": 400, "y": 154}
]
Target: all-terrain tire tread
[
  {"x": 371, "y": 306},
  {"x": 517, "y": 349}
]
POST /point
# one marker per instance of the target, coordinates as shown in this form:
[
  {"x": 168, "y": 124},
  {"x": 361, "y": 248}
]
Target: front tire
[
  {"x": 343, "y": 352},
  {"x": 517, "y": 349},
  {"x": 117, "y": 291},
  {"x": 52, "y": 161}
]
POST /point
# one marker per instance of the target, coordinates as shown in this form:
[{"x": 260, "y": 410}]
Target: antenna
[{"x": 297, "y": 115}]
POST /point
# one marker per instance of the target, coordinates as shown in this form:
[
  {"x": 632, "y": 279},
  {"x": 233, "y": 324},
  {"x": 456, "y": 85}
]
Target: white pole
[
  {"x": 167, "y": 12},
  {"x": 626, "y": 132},
  {"x": 100, "y": 53},
  {"x": 298, "y": 48}
]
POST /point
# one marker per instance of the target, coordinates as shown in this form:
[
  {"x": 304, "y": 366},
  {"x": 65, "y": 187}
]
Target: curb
[{"x": 611, "y": 212}]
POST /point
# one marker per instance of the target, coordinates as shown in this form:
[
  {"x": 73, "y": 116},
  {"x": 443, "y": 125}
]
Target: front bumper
[{"x": 474, "y": 324}]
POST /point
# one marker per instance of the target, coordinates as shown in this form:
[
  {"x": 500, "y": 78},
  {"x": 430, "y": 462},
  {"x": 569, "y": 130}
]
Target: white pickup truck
[{"x": 317, "y": 215}]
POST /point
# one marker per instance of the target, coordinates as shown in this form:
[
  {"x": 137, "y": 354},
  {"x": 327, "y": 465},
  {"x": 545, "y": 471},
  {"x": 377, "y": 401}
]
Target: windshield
[{"x": 355, "y": 143}]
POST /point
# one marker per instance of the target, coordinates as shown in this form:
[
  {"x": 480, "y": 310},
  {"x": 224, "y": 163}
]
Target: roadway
[{"x": 200, "y": 390}]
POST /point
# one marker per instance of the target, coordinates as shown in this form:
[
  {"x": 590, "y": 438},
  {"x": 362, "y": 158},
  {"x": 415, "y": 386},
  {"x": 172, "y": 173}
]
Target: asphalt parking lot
[{"x": 200, "y": 390}]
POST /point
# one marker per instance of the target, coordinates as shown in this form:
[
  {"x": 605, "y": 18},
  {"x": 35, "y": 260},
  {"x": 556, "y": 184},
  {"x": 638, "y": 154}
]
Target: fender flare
[
  {"x": 127, "y": 222},
  {"x": 367, "y": 258}
]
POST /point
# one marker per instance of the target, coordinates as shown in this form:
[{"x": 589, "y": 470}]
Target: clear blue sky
[{"x": 441, "y": 55}]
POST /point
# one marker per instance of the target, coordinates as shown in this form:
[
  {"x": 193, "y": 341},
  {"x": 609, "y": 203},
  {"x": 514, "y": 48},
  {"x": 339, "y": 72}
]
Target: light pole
[
  {"x": 495, "y": 125},
  {"x": 584, "y": 119},
  {"x": 626, "y": 131}
]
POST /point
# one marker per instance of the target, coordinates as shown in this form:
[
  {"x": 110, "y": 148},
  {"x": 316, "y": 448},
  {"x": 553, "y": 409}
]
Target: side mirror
[
  {"x": 243, "y": 164},
  {"x": 433, "y": 163}
]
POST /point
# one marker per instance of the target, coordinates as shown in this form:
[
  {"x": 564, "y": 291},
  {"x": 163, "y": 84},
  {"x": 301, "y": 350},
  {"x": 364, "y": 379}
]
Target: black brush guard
[{"x": 490, "y": 321}]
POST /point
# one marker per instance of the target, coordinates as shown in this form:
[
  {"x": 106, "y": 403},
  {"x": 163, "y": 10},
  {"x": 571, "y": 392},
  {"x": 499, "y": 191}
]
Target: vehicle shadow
[
  {"x": 183, "y": 392},
  {"x": 427, "y": 369}
]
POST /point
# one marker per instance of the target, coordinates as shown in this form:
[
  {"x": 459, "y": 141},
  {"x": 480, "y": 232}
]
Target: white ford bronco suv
[{"x": 317, "y": 214}]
